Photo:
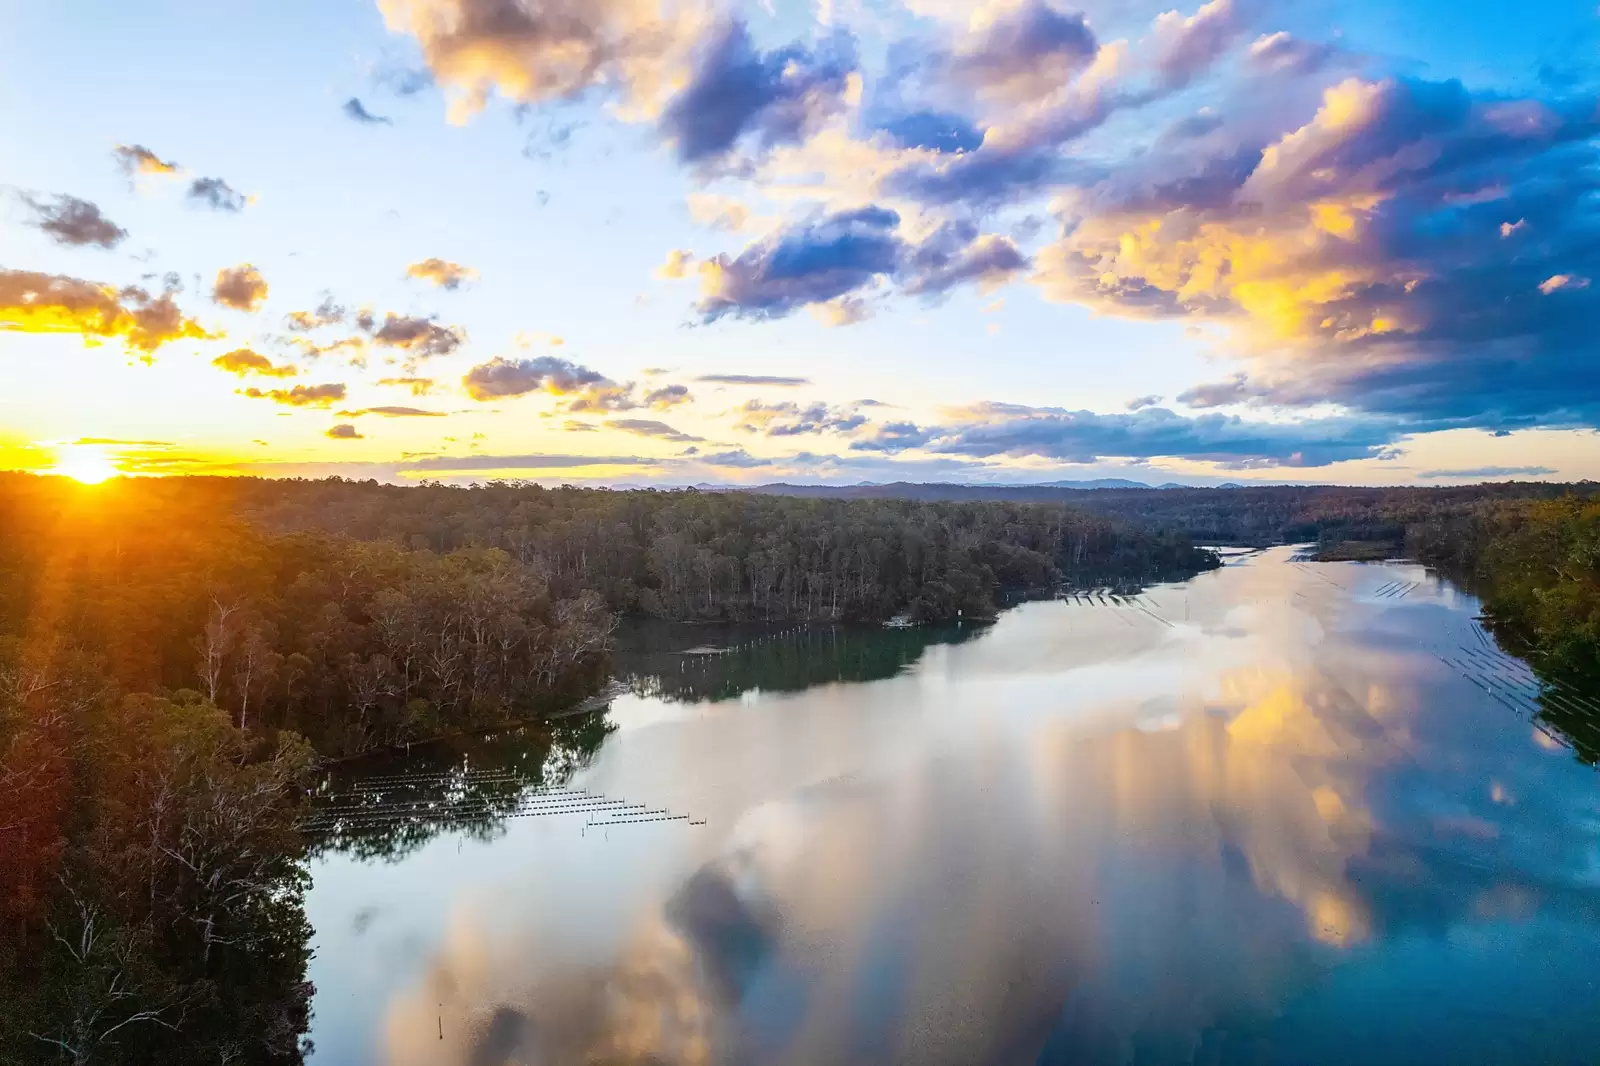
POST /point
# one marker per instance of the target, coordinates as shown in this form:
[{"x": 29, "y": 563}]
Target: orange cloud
[
  {"x": 243, "y": 361},
  {"x": 420, "y": 337},
  {"x": 326, "y": 314},
  {"x": 300, "y": 395},
  {"x": 418, "y": 386},
  {"x": 241, "y": 288},
  {"x": 441, "y": 272},
  {"x": 676, "y": 266},
  {"x": 1556, "y": 282},
  {"x": 531, "y": 53},
  {"x": 137, "y": 159},
  {"x": 31, "y": 302}
]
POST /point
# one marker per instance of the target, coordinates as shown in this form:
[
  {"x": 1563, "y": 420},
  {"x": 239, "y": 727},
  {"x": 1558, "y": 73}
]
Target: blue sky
[{"x": 1240, "y": 240}]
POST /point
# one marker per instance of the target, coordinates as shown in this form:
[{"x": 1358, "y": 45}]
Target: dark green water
[{"x": 1284, "y": 813}]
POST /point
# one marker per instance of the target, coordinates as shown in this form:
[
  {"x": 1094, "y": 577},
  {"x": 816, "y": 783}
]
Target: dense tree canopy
[
  {"x": 733, "y": 555},
  {"x": 1537, "y": 566},
  {"x": 174, "y": 653},
  {"x": 1244, "y": 514}
]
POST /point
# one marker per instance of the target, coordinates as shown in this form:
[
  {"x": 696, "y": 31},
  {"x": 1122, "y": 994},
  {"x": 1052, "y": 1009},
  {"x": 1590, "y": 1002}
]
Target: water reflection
[
  {"x": 689, "y": 663},
  {"x": 388, "y": 805},
  {"x": 1262, "y": 817}
]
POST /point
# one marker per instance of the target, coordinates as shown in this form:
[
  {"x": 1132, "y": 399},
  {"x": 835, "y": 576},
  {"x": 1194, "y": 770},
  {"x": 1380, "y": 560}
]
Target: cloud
[
  {"x": 217, "y": 195},
  {"x": 692, "y": 72},
  {"x": 1014, "y": 431},
  {"x": 676, "y": 266},
  {"x": 327, "y": 313},
  {"x": 1140, "y": 402},
  {"x": 1022, "y": 52},
  {"x": 649, "y": 427},
  {"x": 393, "y": 412},
  {"x": 1281, "y": 53},
  {"x": 420, "y": 337},
  {"x": 1359, "y": 258},
  {"x": 1187, "y": 47},
  {"x": 1487, "y": 472},
  {"x": 300, "y": 395},
  {"x": 829, "y": 261},
  {"x": 469, "y": 463},
  {"x": 402, "y": 80},
  {"x": 550, "y": 50},
  {"x": 356, "y": 111},
  {"x": 773, "y": 98},
  {"x": 31, "y": 302},
  {"x": 1345, "y": 235},
  {"x": 753, "y": 379},
  {"x": 353, "y": 347},
  {"x": 1557, "y": 282},
  {"x": 1024, "y": 150},
  {"x": 418, "y": 386},
  {"x": 938, "y": 131},
  {"x": 126, "y": 443},
  {"x": 894, "y": 437},
  {"x": 504, "y": 377},
  {"x": 241, "y": 288},
  {"x": 1238, "y": 389},
  {"x": 344, "y": 431},
  {"x": 956, "y": 254},
  {"x": 809, "y": 263},
  {"x": 789, "y": 419},
  {"x": 582, "y": 389},
  {"x": 738, "y": 459},
  {"x": 136, "y": 159},
  {"x": 667, "y": 396},
  {"x": 718, "y": 212},
  {"x": 442, "y": 272},
  {"x": 599, "y": 398},
  {"x": 243, "y": 361},
  {"x": 75, "y": 222},
  {"x": 842, "y": 311}
]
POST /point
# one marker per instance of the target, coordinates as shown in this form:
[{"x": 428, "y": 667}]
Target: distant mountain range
[
  {"x": 950, "y": 492},
  {"x": 939, "y": 490}
]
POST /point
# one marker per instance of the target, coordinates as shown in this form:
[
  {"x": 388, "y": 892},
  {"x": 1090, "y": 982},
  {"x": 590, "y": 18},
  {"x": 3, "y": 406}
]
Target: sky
[{"x": 688, "y": 241}]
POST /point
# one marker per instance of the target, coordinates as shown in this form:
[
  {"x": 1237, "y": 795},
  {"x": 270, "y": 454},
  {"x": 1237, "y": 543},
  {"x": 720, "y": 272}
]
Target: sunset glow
[
  {"x": 1311, "y": 242},
  {"x": 87, "y": 464}
]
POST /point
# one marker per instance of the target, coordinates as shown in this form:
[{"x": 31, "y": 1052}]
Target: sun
[{"x": 85, "y": 464}]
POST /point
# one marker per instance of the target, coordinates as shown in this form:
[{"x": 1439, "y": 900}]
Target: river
[{"x": 1287, "y": 812}]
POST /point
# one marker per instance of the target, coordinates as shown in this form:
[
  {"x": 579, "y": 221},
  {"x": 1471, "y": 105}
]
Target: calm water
[{"x": 1284, "y": 813}]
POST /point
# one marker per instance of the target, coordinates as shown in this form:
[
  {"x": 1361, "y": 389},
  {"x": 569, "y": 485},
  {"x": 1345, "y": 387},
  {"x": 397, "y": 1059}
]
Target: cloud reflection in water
[{"x": 1280, "y": 827}]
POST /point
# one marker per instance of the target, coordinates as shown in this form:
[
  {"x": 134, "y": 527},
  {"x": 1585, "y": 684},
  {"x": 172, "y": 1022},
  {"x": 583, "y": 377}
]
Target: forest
[
  {"x": 736, "y": 556},
  {"x": 1536, "y": 565},
  {"x": 353, "y": 645},
  {"x": 1242, "y": 515},
  {"x": 178, "y": 656}
]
